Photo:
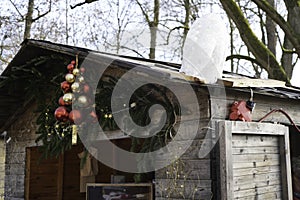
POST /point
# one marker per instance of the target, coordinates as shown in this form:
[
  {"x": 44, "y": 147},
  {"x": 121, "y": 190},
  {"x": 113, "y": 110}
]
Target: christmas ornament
[
  {"x": 83, "y": 101},
  {"x": 93, "y": 116},
  {"x": 86, "y": 89},
  {"x": 70, "y": 67},
  {"x": 75, "y": 87},
  {"x": 76, "y": 72},
  {"x": 65, "y": 86},
  {"x": 68, "y": 98},
  {"x": 73, "y": 62},
  {"x": 80, "y": 79},
  {"x": 61, "y": 114},
  {"x": 70, "y": 78},
  {"x": 61, "y": 102},
  {"x": 75, "y": 116},
  {"x": 82, "y": 70}
]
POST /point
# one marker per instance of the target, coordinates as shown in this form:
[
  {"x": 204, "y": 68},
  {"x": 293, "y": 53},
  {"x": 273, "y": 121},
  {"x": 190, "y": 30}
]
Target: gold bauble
[
  {"x": 70, "y": 78},
  {"x": 83, "y": 101},
  {"x": 68, "y": 97},
  {"x": 80, "y": 79},
  {"x": 76, "y": 71},
  {"x": 75, "y": 87}
]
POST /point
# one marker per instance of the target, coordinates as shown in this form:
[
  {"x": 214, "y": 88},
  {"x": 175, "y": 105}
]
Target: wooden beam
[{"x": 249, "y": 82}]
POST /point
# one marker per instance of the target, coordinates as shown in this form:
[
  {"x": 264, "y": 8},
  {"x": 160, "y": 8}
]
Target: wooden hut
[{"x": 225, "y": 159}]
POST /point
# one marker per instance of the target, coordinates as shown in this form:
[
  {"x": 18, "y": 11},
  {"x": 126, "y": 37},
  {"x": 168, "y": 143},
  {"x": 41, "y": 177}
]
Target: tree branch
[
  {"x": 262, "y": 54},
  {"x": 82, "y": 3},
  {"x": 17, "y": 9},
  {"x": 44, "y": 14},
  {"x": 242, "y": 57},
  {"x": 144, "y": 13},
  {"x": 288, "y": 30}
]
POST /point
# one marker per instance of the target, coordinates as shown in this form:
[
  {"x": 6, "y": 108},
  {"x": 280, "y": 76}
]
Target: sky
[{"x": 165, "y": 51}]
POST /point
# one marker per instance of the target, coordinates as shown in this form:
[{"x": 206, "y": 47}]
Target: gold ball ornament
[
  {"x": 83, "y": 101},
  {"x": 68, "y": 98},
  {"x": 70, "y": 78},
  {"x": 75, "y": 87},
  {"x": 76, "y": 71},
  {"x": 80, "y": 79}
]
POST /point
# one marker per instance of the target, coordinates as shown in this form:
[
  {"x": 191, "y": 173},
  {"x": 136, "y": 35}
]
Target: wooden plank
[
  {"x": 250, "y": 82},
  {"x": 256, "y": 170},
  {"x": 257, "y": 191},
  {"x": 226, "y": 170},
  {"x": 27, "y": 174},
  {"x": 286, "y": 167},
  {"x": 254, "y": 141},
  {"x": 60, "y": 177},
  {"x": 251, "y": 185},
  {"x": 248, "y": 179},
  {"x": 255, "y": 150},
  {"x": 277, "y": 195},
  {"x": 257, "y": 128},
  {"x": 256, "y": 164},
  {"x": 255, "y": 158}
]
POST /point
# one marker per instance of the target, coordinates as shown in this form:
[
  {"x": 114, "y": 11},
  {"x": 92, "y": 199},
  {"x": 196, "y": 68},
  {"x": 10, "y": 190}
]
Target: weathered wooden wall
[
  {"x": 190, "y": 176},
  {"x": 2, "y": 167}
]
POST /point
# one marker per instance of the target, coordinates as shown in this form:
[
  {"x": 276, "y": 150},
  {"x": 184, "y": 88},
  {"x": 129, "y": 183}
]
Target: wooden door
[{"x": 43, "y": 178}]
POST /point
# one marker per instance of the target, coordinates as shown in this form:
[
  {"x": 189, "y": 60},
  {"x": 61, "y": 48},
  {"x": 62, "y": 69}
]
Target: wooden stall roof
[{"x": 12, "y": 104}]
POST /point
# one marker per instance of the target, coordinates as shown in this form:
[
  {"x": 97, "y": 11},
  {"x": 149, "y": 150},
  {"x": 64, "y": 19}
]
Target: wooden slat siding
[
  {"x": 188, "y": 189},
  {"x": 259, "y": 159},
  {"x": 192, "y": 170}
]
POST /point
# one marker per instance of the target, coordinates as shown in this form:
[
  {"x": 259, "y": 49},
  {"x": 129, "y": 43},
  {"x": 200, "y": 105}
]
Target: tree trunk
[
  {"x": 28, "y": 20},
  {"x": 293, "y": 19},
  {"x": 263, "y": 55},
  {"x": 271, "y": 31},
  {"x": 153, "y": 29}
]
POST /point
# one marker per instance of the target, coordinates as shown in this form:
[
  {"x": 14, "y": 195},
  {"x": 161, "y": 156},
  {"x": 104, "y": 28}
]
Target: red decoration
[
  {"x": 73, "y": 62},
  {"x": 61, "y": 114},
  {"x": 240, "y": 111},
  {"x": 70, "y": 67},
  {"x": 82, "y": 70},
  {"x": 86, "y": 88},
  {"x": 61, "y": 101},
  {"x": 65, "y": 86},
  {"x": 93, "y": 116},
  {"x": 75, "y": 116}
]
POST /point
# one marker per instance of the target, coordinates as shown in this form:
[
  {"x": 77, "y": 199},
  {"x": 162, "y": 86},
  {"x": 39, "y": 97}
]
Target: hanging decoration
[{"x": 74, "y": 90}]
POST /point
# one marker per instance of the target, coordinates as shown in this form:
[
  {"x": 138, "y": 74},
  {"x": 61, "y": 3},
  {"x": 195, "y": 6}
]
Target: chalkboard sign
[{"x": 126, "y": 191}]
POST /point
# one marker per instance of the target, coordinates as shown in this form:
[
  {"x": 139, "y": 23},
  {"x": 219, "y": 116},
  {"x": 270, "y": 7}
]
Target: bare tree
[{"x": 29, "y": 17}]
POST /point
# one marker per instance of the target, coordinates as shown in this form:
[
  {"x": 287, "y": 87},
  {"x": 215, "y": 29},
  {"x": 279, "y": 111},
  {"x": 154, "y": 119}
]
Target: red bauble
[
  {"x": 73, "y": 62},
  {"x": 86, "y": 88},
  {"x": 75, "y": 116},
  {"x": 61, "y": 101},
  {"x": 65, "y": 86},
  {"x": 70, "y": 67},
  {"x": 82, "y": 70},
  {"x": 61, "y": 114},
  {"x": 93, "y": 117}
]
